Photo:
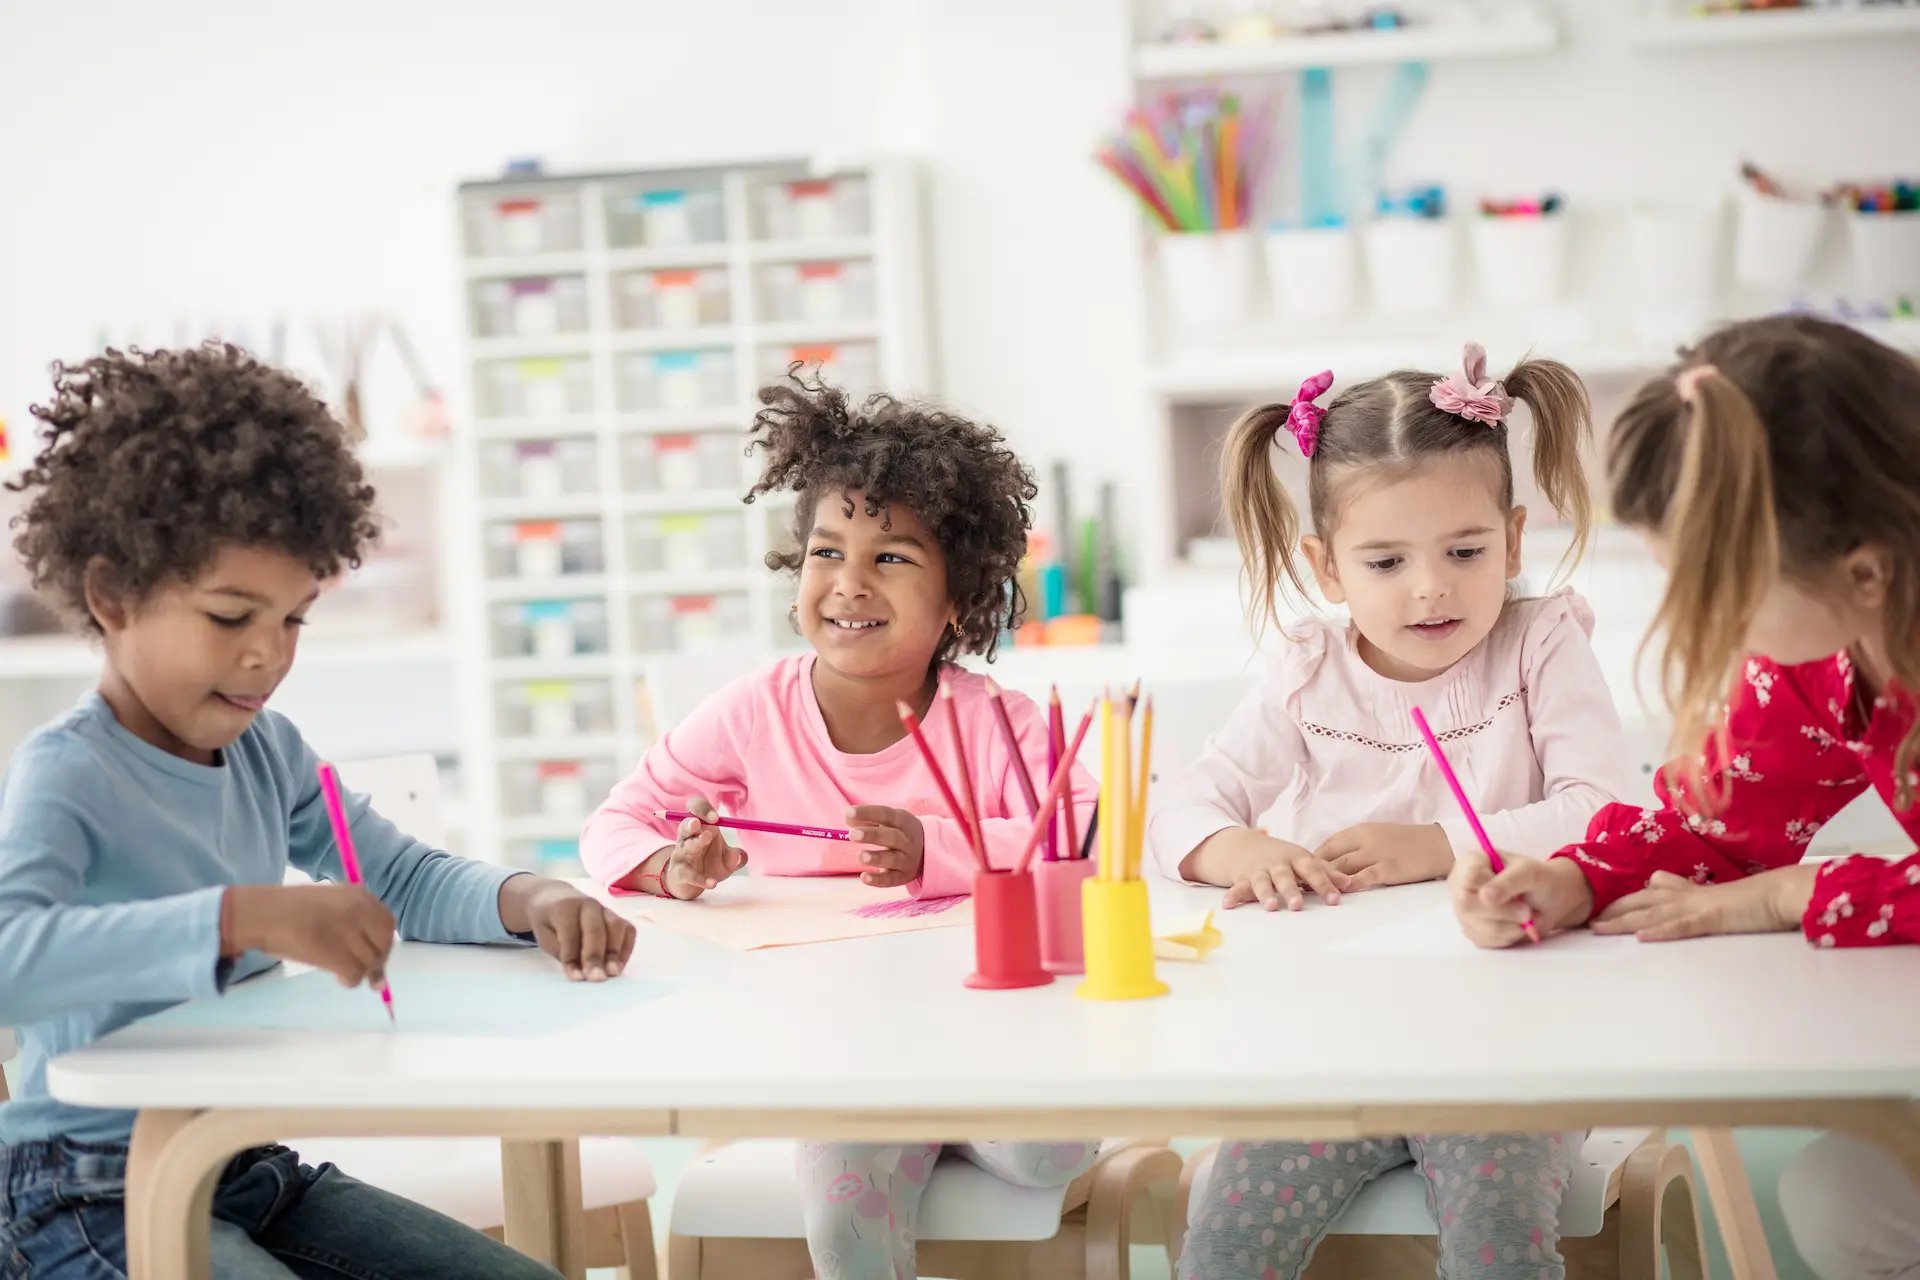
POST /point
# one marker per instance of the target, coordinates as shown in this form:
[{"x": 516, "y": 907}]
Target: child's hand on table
[
  {"x": 341, "y": 928},
  {"x": 694, "y": 863},
  {"x": 591, "y": 942},
  {"x": 1258, "y": 868},
  {"x": 1672, "y": 906},
  {"x": 1381, "y": 853},
  {"x": 1490, "y": 907},
  {"x": 896, "y": 844}
]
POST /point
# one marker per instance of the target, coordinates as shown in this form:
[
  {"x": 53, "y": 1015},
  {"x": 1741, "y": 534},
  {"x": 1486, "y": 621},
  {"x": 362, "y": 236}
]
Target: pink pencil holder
[
  {"x": 1006, "y": 933},
  {"x": 1060, "y": 932}
]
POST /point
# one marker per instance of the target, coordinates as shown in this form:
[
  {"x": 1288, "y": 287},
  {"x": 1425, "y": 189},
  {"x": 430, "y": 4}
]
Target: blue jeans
[{"x": 63, "y": 1217}]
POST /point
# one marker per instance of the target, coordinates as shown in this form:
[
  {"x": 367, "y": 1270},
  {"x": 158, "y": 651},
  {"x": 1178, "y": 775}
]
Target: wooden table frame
[{"x": 177, "y": 1155}]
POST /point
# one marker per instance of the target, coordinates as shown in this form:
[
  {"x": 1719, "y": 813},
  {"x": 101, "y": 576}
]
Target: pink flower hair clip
[
  {"x": 1304, "y": 416},
  {"x": 1470, "y": 393}
]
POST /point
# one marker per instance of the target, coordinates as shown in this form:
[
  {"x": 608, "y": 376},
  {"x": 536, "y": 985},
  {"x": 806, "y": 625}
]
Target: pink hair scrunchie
[
  {"x": 1304, "y": 416},
  {"x": 1470, "y": 393}
]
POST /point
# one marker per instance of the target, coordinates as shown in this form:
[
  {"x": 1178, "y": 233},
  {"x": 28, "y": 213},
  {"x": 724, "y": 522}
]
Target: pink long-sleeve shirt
[
  {"x": 1525, "y": 718},
  {"x": 759, "y": 748}
]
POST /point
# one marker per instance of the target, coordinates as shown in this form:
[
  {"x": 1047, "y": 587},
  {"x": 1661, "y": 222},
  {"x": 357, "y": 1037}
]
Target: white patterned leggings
[
  {"x": 1496, "y": 1197},
  {"x": 861, "y": 1199}
]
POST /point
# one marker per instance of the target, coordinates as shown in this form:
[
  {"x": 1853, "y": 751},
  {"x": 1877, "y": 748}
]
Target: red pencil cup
[
  {"x": 1006, "y": 934},
  {"x": 1060, "y": 931}
]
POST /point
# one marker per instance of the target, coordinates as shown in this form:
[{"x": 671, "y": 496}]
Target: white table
[{"x": 1292, "y": 1029}]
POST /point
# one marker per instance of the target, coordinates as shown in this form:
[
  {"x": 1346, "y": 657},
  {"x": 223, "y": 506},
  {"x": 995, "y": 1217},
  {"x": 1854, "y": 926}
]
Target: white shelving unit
[
  {"x": 1767, "y": 26},
  {"x": 1514, "y": 34},
  {"x": 620, "y": 326}
]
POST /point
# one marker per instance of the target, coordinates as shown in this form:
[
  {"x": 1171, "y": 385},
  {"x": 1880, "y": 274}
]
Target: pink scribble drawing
[{"x": 906, "y": 908}]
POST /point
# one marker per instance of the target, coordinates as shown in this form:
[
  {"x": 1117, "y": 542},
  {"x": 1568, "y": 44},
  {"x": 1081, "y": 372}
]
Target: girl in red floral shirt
[{"x": 1776, "y": 473}]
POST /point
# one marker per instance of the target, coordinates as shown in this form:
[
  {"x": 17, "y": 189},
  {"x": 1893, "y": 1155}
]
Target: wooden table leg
[
  {"x": 1733, "y": 1205},
  {"x": 541, "y": 1182},
  {"x": 169, "y": 1203}
]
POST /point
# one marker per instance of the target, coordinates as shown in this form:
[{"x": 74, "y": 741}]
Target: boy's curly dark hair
[
  {"x": 155, "y": 459},
  {"x": 958, "y": 476}
]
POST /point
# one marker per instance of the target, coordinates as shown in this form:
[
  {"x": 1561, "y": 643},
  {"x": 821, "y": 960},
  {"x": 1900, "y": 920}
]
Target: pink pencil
[
  {"x": 940, "y": 780},
  {"x": 349, "y": 860},
  {"x": 1012, "y": 739},
  {"x": 974, "y": 832},
  {"x": 754, "y": 824},
  {"x": 1473, "y": 819},
  {"x": 1062, "y": 775}
]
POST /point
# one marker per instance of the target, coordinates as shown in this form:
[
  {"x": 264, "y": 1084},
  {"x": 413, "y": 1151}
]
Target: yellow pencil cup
[{"x": 1119, "y": 942}]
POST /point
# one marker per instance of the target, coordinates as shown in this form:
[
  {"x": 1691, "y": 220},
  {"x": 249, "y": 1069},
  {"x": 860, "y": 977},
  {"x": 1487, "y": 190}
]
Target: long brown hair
[
  {"x": 1389, "y": 423},
  {"x": 1771, "y": 449}
]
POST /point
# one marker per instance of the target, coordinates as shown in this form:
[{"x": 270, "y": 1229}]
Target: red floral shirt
[{"x": 1796, "y": 753}]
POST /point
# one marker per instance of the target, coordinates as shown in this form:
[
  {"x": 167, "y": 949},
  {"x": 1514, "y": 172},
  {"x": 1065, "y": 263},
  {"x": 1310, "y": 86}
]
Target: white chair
[
  {"x": 1631, "y": 1193},
  {"x": 737, "y": 1216},
  {"x": 462, "y": 1177}
]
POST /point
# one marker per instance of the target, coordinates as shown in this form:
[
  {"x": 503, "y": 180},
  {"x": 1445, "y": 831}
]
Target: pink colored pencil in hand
[
  {"x": 349, "y": 860},
  {"x": 755, "y": 824},
  {"x": 1473, "y": 819}
]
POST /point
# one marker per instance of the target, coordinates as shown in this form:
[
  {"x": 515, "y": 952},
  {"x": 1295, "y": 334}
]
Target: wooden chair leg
[
  {"x": 683, "y": 1257},
  {"x": 1733, "y": 1205},
  {"x": 1119, "y": 1184},
  {"x": 637, "y": 1242},
  {"x": 1680, "y": 1227},
  {"x": 1180, "y": 1205}
]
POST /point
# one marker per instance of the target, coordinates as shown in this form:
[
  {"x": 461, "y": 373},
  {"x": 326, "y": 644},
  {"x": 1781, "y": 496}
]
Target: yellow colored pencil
[
  {"x": 1123, "y": 771},
  {"x": 1138, "y": 825},
  {"x": 1106, "y": 789}
]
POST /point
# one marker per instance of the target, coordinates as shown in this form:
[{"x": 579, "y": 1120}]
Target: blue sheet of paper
[{"x": 425, "y": 1002}]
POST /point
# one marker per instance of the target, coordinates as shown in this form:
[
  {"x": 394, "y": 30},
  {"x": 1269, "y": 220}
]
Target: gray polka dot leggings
[{"x": 1496, "y": 1197}]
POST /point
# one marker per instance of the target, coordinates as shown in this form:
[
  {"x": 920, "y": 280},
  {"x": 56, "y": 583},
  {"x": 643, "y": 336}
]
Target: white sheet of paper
[{"x": 1435, "y": 932}]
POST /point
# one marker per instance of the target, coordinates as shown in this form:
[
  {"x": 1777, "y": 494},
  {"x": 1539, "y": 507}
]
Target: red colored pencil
[
  {"x": 966, "y": 775},
  {"x": 939, "y": 779},
  {"x": 1060, "y": 745},
  {"x": 1062, "y": 775},
  {"x": 1020, "y": 774}
]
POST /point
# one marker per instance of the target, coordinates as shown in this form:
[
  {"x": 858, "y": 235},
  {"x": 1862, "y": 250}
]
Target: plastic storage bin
[
  {"x": 537, "y": 388},
  {"x": 686, "y": 542},
  {"x": 676, "y": 380},
  {"x": 1314, "y": 271},
  {"x": 677, "y": 299},
  {"x": 550, "y": 629},
  {"x": 659, "y": 217},
  {"x": 539, "y": 468},
  {"x": 852, "y": 365},
  {"x": 1413, "y": 265},
  {"x": 1520, "y": 261},
  {"x": 663, "y": 624},
  {"x": 1775, "y": 240},
  {"x": 537, "y": 549},
  {"x": 544, "y": 222},
  {"x": 814, "y": 208},
  {"x": 675, "y": 464},
  {"x": 564, "y": 789},
  {"x": 554, "y": 708},
  {"x": 798, "y": 291},
  {"x": 1886, "y": 256}
]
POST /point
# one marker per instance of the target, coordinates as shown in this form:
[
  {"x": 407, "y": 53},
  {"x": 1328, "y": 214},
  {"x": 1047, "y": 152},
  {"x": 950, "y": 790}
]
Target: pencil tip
[
  {"x": 906, "y": 712},
  {"x": 1053, "y": 694}
]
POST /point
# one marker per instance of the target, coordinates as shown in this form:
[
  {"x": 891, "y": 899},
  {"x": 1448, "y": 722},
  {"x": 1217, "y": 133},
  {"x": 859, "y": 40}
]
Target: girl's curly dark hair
[
  {"x": 155, "y": 459},
  {"x": 958, "y": 476}
]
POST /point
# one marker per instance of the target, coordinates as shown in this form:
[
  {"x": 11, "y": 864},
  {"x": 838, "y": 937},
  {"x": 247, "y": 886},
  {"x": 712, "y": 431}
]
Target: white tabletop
[{"x": 1370, "y": 1002}]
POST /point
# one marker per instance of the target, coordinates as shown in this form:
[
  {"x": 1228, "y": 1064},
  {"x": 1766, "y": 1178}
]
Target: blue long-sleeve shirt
[{"x": 114, "y": 856}]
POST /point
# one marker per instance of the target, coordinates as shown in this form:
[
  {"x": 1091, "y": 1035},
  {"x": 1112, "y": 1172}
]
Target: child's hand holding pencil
[
  {"x": 1495, "y": 910},
  {"x": 698, "y": 859},
  {"x": 896, "y": 844}
]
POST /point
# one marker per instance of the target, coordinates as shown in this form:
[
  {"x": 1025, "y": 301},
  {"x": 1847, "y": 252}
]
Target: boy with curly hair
[
  {"x": 184, "y": 511},
  {"x": 909, "y": 524}
]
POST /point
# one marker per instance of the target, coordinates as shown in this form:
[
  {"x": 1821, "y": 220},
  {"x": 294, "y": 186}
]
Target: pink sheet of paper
[{"x": 752, "y": 913}]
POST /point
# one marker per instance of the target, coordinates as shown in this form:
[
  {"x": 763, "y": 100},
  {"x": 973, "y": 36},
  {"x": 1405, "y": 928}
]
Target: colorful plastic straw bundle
[{"x": 1194, "y": 161}]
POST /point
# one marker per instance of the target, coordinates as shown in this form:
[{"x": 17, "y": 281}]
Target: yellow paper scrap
[{"x": 1190, "y": 938}]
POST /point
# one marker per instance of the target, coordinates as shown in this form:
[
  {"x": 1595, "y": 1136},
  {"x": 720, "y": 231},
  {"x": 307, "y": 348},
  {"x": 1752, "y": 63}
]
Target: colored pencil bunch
[
  {"x": 1040, "y": 808},
  {"x": 1122, "y": 818},
  {"x": 1194, "y": 161}
]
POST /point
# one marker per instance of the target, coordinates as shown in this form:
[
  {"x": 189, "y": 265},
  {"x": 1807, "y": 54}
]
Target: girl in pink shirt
[
  {"x": 910, "y": 524},
  {"x": 1415, "y": 531}
]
